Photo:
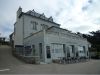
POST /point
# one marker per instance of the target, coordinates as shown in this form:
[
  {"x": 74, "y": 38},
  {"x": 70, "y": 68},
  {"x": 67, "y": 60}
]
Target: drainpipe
[{"x": 23, "y": 36}]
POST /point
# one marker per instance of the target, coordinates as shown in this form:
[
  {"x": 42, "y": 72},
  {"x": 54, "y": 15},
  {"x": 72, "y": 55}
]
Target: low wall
[{"x": 21, "y": 53}]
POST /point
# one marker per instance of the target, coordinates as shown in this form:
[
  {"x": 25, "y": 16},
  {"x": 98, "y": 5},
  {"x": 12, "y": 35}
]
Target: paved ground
[{"x": 11, "y": 65}]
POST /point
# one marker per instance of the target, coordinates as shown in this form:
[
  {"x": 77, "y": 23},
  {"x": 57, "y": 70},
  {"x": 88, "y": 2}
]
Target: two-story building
[{"x": 43, "y": 38}]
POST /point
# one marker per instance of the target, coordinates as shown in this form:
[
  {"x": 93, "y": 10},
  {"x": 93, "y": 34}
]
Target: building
[
  {"x": 2, "y": 40},
  {"x": 38, "y": 36},
  {"x": 11, "y": 36}
]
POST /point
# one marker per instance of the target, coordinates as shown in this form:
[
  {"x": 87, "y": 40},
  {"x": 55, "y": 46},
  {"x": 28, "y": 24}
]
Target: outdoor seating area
[{"x": 71, "y": 60}]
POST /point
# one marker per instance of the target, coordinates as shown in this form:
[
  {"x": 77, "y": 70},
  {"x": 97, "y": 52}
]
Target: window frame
[{"x": 34, "y": 25}]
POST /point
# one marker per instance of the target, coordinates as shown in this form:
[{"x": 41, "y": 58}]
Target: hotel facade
[{"x": 40, "y": 37}]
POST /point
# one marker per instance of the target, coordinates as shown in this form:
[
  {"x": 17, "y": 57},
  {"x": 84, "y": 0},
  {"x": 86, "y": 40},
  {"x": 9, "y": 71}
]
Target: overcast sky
[{"x": 75, "y": 15}]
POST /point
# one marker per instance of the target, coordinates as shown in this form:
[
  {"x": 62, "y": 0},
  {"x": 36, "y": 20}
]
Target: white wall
[
  {"x": 24, "y": 28},
  {"x": 18, "y": 35},
  {"x": 35, "y": 40},
  {"x": 28, "y": 26},
  {"x": 59, "y": 39}
]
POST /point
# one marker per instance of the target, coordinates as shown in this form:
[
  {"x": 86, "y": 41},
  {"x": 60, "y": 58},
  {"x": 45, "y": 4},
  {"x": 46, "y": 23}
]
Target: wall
[
  {"x": 54, "y": 37},
  {"x": 18, "y": 31},
  {"x": 35, "y": 39},
  {"x": 28, "y": 26}
]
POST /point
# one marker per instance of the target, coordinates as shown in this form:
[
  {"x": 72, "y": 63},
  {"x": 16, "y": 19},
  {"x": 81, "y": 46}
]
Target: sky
[{"x": 75, "y": 15}]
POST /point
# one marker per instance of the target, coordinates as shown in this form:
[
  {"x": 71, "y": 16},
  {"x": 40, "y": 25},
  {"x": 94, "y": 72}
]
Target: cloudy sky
[{"x": 75, "y": 15}]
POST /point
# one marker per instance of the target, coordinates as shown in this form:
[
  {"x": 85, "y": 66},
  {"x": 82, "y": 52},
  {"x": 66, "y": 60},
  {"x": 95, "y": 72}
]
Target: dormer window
[
  {"x": 34, "y": 25},
  {"x": 50, "y": 19},
  {"x": 42, "y": 16},
  {"x": 44, "y": 26}
]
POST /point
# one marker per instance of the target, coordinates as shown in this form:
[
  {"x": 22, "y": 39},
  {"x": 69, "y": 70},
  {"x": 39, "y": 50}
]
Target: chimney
[{"x": 19, "y": 11}]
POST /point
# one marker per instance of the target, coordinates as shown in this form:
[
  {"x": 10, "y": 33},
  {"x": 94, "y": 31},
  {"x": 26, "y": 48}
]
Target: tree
[{"x": 94, "y": 39}]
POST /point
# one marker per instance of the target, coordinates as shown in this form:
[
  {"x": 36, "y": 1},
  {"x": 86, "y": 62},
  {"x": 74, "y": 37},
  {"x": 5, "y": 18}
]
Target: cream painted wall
[
  {"x": 57, "y": 38},
  {"x": 28, "y": 26},
  {"x": 18, "y": 35}
]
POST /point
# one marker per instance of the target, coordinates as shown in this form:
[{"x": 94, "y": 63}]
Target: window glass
[{"x": 44, "y": 26}]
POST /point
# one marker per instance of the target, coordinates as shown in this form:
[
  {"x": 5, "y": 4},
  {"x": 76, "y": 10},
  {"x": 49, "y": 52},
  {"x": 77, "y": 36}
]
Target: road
[{"x": 11, "y": 65}]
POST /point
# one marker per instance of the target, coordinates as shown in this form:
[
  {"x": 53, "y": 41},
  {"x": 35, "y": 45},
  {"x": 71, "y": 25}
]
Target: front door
[
  {"x": 40, "y": 51},
  {"x": 48, "y": 54},
  {"x": 33, "y": 50}
]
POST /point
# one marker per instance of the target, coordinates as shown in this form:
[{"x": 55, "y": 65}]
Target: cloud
[
  {"x": 78, "y": 19},
  {"x": 75, "y": 15}
]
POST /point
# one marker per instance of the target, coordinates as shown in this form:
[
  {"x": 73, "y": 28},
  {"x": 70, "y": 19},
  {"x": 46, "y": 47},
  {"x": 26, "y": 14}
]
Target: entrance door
[
  {"x": 48, "y": 52},
  {"x": 33, "y": 50},
  {"x": 41, "y": 52}
]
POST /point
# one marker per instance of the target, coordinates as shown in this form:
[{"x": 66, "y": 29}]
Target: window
[
  {"x": 44, "y": 26},
  {"x": 34, "y": 24},
  {"x": 28, "y": 50},
  {"x": 57, "y": 48}
]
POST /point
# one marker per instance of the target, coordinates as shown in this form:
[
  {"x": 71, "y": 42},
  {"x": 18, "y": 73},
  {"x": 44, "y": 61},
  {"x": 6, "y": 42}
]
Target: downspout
[
  {"x": 23, "y": 29},
  {"x": 23, "y": 37}
]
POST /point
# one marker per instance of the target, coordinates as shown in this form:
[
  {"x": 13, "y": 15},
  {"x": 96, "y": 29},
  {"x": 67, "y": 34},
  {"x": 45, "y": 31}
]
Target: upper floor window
[
  {"x": 34, "y": 25},
  {"x": 44, "y": 26}
]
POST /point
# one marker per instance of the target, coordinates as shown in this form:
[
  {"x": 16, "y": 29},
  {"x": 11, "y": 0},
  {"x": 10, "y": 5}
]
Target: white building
[{"x": 42, "y": 37}]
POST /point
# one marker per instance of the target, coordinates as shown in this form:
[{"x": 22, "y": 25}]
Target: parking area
[{"x": 11, "y": 65}]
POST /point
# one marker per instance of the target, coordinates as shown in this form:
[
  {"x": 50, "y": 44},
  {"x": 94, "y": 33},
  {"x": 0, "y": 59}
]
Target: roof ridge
[{"x": 42, "y": 16}]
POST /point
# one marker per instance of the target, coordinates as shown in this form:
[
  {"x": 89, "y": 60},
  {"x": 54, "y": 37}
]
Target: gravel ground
[{"x": 11, "y": 65}]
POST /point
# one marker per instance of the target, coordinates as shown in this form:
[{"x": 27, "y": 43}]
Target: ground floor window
[
  {"x": 57, "y": 50},
  {"x": 81, "y": 51},
  {"x": 28, "y": 50}
]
